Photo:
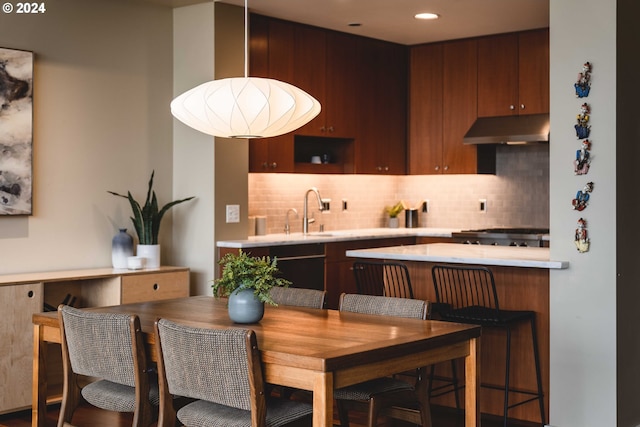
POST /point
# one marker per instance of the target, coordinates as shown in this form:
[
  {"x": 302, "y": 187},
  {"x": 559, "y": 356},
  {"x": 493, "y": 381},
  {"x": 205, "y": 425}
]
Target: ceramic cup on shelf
[
  {"x": 135, "y": 262},
  {"x": 316, "y": 160}
]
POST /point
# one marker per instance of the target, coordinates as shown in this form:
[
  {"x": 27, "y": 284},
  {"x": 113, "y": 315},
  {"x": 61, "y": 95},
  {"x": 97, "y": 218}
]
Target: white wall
[
  {"x": 583, "y": 297},
  {"x": 101, "y": 123},
  {"x": 193, "y": 152},
  {"x": 207, "y": 44}
]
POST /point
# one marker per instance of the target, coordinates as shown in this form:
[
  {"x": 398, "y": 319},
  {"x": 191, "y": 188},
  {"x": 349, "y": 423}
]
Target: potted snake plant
[{"x": 146, "y": 221}]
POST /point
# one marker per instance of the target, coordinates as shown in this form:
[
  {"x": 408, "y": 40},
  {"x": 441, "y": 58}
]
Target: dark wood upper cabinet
[
  {"x": 310, "y": 51},
  {"x": 426, "y": 75},
  {"x": 361, "y": 85},
  {"x": 513, "y": 74},
  {"x": 382, "y": 108},
  {"x": 271, "y": 55},
  {"x": 324, "y": 68},
  {"x": 459, "y": 106},
  {"x": 442, "y": 107}
]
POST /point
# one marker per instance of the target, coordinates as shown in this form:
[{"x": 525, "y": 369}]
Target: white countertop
[
  {"x": 281, "y": 239},
  {"x": 506, "y": 256}
]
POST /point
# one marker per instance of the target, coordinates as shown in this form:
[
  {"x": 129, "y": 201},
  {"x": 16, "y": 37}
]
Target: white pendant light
[{"x": 245, "y": 107}]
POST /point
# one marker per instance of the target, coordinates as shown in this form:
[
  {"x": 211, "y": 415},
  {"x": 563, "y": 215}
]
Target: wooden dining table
[{"x": 310, "y": 349}]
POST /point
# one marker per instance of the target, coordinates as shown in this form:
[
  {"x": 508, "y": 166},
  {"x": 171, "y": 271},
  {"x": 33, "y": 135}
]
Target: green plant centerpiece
[
  {"x": 146, "y": 219},
  {"x": 247, "y": 281}
]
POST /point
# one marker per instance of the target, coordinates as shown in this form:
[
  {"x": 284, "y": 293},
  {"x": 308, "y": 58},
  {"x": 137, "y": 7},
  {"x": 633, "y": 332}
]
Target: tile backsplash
[{"x": 518, "y": 195}]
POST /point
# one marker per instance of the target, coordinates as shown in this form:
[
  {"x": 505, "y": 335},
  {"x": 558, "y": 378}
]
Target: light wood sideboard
[{"x": 24, "y": 294}]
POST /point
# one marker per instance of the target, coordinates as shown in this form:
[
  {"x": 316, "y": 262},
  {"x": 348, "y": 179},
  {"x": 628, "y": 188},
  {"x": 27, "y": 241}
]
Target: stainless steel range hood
[{"x": 509, "y": 130}]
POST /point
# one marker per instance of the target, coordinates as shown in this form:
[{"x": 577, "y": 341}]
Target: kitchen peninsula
[{"x": 522, "y": 283}]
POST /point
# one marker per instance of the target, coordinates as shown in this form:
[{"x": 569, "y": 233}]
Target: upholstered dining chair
[
  {"x": 110, "y": 347},
  {"x": 296, "y": 297},
  {"x": 222, "y": 371},
  {"x": 392, "y": 279},
  {"x": 384, "y": 392},
  {"x": 299, "y": 297}
]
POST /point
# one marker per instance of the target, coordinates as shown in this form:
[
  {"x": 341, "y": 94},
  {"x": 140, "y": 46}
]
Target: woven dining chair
[
  {"x": 382, "y": 278},
  {"x": 384, "y": 392},
  {"x": 222, "y": 371},
  {"x": 392, "y": 279},
  {"x": 110, "y": 347},
  {"x": 299, "y": 297},
  {"x": 295, "y": 297}
]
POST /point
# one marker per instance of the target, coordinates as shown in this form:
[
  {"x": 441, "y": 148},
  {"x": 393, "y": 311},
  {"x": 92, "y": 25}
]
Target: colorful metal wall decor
[
  {"x": 583, "y": 128},
  {"x": 582, "y": 237},
  {"x": 581, "y": 201},
  {"x": 583, "y": 158},
  {"x": 583, "y": 85},
  {"x": 582, "y": 161}
]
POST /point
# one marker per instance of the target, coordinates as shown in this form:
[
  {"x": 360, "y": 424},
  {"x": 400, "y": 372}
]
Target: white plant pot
[
  {"x": 151, "y": 254},
  {"x": 394, "y": 222}
]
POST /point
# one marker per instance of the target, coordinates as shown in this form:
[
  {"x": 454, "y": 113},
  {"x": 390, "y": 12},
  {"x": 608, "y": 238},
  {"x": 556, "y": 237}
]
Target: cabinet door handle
[
  {"x": 323, "y": 129},
  {"x": 446, "y": 167},
  {"x": 522, "y": 106},
  {"x": 155, "y": 286},
  {"x": 386, "y": 168},
  {"x": 274, "y": 165},
  {"x": 330, "y": 128},
  {"x": 437, "y": 168},
  {"x": 378, "y": 168},
  {"x": 265, "y": 165}
]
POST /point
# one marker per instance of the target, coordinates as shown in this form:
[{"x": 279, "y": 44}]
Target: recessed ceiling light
[{"x": 427, "y": 15}]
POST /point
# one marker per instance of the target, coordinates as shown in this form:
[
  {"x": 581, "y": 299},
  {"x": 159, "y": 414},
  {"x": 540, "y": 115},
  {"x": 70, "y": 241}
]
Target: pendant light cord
[{"x": 246, "y": 39}]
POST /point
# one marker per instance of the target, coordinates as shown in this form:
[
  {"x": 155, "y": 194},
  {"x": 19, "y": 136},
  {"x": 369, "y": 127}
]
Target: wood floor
[{"x": 91, "y": 417}]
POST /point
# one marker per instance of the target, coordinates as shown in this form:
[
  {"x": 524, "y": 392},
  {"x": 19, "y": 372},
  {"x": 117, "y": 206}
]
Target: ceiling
[{"x": 393, "y": 20}]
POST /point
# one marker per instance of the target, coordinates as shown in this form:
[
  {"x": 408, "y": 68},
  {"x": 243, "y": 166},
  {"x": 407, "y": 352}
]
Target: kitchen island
[
  {"x": 522, "y": 283},
  {"x": 455, "y": 253},
  {"x": 317, "y": 260}
]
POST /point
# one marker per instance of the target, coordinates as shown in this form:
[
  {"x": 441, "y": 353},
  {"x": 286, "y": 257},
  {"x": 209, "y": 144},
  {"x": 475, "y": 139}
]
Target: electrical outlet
[
  {"x": 425, "y": 206},
  {"x": 326, "y": 205},
  {"x": 233, "y": 213},
  {"x": 483, "y": 205},
  {"x": 344, "y": 205}
]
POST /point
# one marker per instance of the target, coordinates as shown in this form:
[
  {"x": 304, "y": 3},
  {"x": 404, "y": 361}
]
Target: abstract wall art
[{"x": 16, "y": 131}]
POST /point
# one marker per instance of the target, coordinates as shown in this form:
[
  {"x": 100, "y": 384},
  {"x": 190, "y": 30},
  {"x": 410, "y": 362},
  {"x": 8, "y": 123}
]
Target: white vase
[
  {"x": 394, "y": 222},
  {"x": 151, "y": 254}
]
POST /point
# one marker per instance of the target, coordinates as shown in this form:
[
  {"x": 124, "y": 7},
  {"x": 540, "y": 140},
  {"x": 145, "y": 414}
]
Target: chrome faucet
[
  {"x": 287, "y": 229},
  {"x": 305, "y": 215}
]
